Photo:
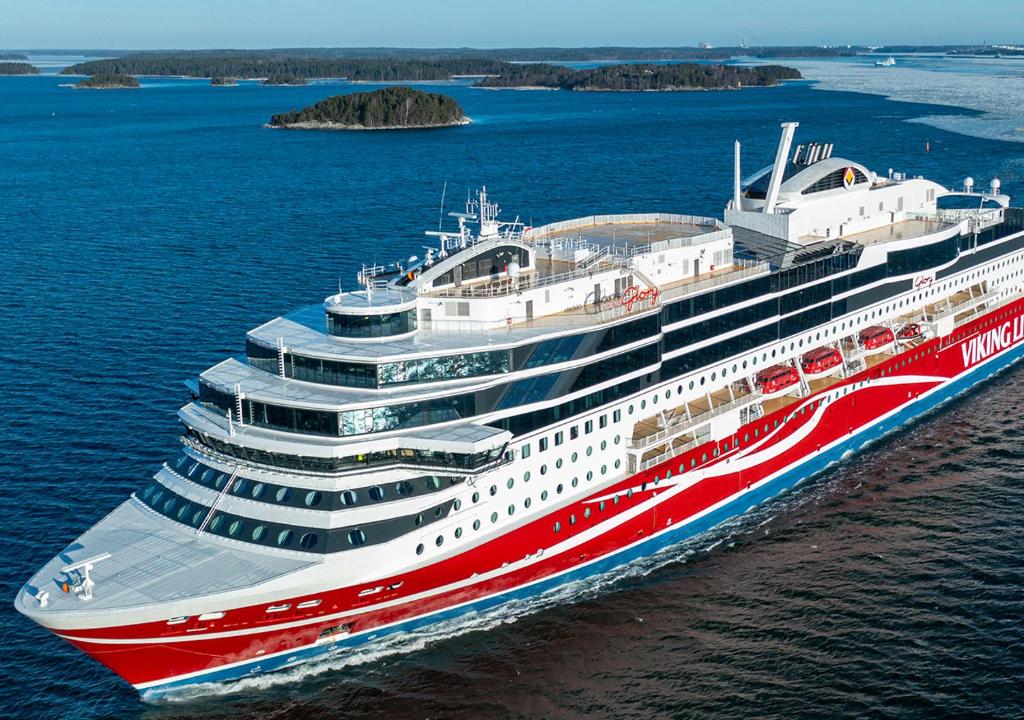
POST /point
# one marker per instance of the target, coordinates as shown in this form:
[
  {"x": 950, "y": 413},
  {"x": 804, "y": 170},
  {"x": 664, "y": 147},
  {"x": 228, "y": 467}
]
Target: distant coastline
[{"x": 18, "y": 68}]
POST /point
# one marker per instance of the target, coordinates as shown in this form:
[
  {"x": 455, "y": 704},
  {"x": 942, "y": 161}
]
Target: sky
[{"x": 187, "y": 24}]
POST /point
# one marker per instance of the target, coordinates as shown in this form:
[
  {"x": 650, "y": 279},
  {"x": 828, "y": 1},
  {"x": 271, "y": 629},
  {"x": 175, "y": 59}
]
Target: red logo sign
[{"x": 633, "y": 294}]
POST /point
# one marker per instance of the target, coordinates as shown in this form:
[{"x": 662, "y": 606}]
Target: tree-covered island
[
  {"x": 284, "y": 79},
  {"x": 641, "y": 77},
  {"x": 18, "y": 68},
  {"x": 108, "y": 81},
  {"x": 222, "y": 81},
  {"x": 389, "y": 108}
]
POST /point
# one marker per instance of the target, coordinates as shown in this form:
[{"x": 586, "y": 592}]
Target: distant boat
[{"x": 888, "y": 62}]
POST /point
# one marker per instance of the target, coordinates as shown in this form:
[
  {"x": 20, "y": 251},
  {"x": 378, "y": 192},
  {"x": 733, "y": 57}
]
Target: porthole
[
  {"x": 601, "y": 506},
  {"x": 494, "y": 517},
  {"x": 313, "y": 498},
  {"x": 543, "y": 495},
  {"x": 457, "y": 505},
  {"x": 527, "y": 502},
  {"x": 403, "y": 488},
  {"x": 526, "y": 476},
  {"x": 283, "y": 494},
  {"x": 618, "y": 463},
  {"x": 348, "y": 497},
  {"x": 629, "y": 493},
  {"x": 557, "y": 526},
  {"x": 221, "y": 481},
  {"x": 494, "y": 490},
  {"x": 234, "y": 528},
  {"x": 476, "y": 497},
  {"x": 433, "y": 483},
  {"x": 704, "y": 457},
  {"x": 418, "y": 520},
  {"x": 309, "y": 540},
  {"x": 572, "y": 519},
  {"x": 438, "y": 511},
  {"x": 575, "y": 482},
  {"x": 240, "y": 485},
  {"x": 558, "y": 489},
  {"x": 590, "y": 451},
  {"x": 439, "y": 540},
  {"x": 476, "y": 524},
  {"x": 575, "y": 457},
  {"x": 590, "y": 475},
  {"x": 604, "y": 469},
  {"x": 458, "y": 533},
  {"x": 586, "y": 513},
  {"x": 511, "y": 510},
  {"x": 217, "y": 522},
  {"x": 284, "y": 538},
  {"x": 258, "y": 532},
  {"x": 615, "y": 500},
  {"x": 543, "y": 469},
  {"x": 509, "y": 483},
  {"x": 558, "y": 463},
  {"x": 198, "y": 516},
  {"x": 604, "y": 444},
  {"x": 376, "y": 493},
  {"x": 184, "y": 510},
  {"x": 419, "y": 549},
  {"x": 169, "y": 505}
]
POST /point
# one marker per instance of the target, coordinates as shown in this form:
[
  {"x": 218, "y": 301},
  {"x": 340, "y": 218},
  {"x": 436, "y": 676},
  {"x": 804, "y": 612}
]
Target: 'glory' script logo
[
  {"x": 988, "y": 343},
  {"x": 633, "y": 294}
]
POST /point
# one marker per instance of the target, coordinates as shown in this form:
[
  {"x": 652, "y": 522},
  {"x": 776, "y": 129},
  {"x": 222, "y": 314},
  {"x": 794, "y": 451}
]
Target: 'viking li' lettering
[{"x": 988, "y": 343}]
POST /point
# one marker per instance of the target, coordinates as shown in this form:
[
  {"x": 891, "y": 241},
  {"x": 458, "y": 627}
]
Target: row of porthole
[
  {"x": 557, "y": 527},
  {"x": 527, "y": 503}
]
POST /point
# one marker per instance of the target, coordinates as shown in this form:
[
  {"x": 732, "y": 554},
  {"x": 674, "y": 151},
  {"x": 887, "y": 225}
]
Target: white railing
[{"x": 684, "y": 425}]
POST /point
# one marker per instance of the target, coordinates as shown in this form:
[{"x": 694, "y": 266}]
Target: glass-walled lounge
[
  {"x": 372, "y": 375},
  {"x": 400, "y": 457},
  {"x": 371, "y": 326}
]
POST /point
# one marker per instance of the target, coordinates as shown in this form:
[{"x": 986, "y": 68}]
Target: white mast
[
  {"x": 788, "y": 128},
  {"x": 737, "y": 196}
]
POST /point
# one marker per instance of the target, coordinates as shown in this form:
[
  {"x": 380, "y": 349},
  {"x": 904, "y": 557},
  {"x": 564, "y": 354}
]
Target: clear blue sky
[{"x": 147, "y": 24}]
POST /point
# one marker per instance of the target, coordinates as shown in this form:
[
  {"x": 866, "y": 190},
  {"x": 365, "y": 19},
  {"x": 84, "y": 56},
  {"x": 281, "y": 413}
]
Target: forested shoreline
[{"x": 641, "y": 77}]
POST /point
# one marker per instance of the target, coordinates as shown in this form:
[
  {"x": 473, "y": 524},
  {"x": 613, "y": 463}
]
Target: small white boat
[{"x": 888, "y": 62}]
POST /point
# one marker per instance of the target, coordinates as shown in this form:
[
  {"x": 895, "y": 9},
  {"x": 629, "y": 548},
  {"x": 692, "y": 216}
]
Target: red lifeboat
[
  {"x": 777, "y": 379},
  {"x": 875, "y": 337},
  {"x": 910, "y": 331},
  {"x": 821, "y": 361}
]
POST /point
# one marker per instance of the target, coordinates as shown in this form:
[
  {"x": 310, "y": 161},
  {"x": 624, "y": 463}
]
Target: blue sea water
[{"x": 143, "y": 232}]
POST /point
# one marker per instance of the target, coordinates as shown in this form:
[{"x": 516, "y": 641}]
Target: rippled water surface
[{"x": 143, "y": 232}]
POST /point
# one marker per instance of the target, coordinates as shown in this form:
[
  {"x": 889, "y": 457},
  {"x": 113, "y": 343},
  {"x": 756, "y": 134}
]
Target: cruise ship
[{"x": 524, "y": 407}]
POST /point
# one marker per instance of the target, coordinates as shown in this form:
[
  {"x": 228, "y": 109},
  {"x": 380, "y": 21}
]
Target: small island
[
  {"x": 641, "y": 77},
  {"x": 108, "y": 81},
  {"x": 221, "y": 81},
  {"x": 285, "y": 79},
  {"x": 18, "y": 68},
  {"x": 390, "y": 108}
]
